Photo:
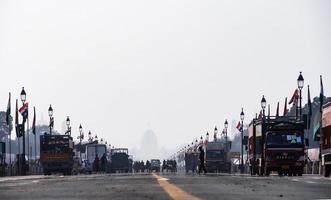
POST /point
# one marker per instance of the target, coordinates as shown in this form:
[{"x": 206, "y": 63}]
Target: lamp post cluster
[{"x": 193, "y": 146}]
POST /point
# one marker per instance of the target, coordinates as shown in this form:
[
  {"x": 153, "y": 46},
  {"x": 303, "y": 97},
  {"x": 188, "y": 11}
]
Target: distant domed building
[{"x": 149, "y": 146}]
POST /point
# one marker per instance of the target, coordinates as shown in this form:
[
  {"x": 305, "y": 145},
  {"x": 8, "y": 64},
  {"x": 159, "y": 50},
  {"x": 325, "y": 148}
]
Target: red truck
[
  {"x": 276, "y": 144},
  {"x": 326, "y": 139}
]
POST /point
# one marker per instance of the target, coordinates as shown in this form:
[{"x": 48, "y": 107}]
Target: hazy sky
[{"x": 179, "y": 67}]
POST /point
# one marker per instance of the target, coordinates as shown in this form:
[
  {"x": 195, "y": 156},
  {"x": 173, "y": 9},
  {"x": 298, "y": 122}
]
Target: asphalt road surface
[{"x": 164, "y": 186}]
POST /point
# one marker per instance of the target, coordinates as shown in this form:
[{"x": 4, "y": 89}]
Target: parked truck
[
  {"x": 120, "y": 161},
  {"x": 326, "y": 139},
  {"x": 217, "y": 156},
  {"x": 56, "y": 154},
  {"x": 276, "y": 144}
]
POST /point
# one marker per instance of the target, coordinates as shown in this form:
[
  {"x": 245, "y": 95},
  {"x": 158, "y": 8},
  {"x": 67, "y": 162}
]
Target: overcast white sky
[{"x": 179, "y": 67}]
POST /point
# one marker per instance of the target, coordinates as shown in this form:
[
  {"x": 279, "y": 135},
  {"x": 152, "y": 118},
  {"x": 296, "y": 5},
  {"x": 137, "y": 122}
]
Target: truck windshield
[
  {"x": 284, "y": 139},
  {"x": 214, "y": 153},
  {"x": 92, "y": 151}
]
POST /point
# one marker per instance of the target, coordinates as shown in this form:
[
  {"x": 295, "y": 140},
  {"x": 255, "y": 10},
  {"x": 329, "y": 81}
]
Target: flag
[
  {"x": 260, "y": 115},
  {"x": 34, "y": 121},
  {"x": 8, "y": 112},
  {"x": 321, "y": 94},
  {"x": 285, "y": 107},
  {"x": 277, "y": 110},
  {"x": 16, "y": 120},
  {"x": 51, "y": 122},
  {"x": 310, "y": 111},
  {"x": 24, "y": 110},
  {"x": 239, "y": 127},
  {"x": 295, "y": 97}
]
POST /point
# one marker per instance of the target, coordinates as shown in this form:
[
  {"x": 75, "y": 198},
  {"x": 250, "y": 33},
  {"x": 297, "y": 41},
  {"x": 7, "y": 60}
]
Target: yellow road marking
[{"x": 174, "y": 192}]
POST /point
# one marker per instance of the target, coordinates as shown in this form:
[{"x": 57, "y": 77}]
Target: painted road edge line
[{"x": 173, "y": 191}]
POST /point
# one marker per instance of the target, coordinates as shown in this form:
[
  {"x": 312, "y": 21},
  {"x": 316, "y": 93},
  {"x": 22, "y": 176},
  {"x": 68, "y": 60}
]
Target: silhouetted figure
[
  {"x": 164, "y": 165},
  {"x": 202, "y": 160},
  {"x": 96, "y": 163},
  {"x": 103, "y": 162}
]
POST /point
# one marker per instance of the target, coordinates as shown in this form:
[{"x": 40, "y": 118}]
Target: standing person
[
  {"x": 103, "y": 162},
  {"x": 202, "y": 160},
  {"x": 96, "y": 163}
]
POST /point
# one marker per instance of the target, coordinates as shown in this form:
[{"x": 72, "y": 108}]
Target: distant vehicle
[
  {"x": 191, "y": 161},
  {"x": 120, "y": 161},
  {"x": 217, "y": 156},
  {"x": 91, "y": 151},
  {"x": 326, "y": 139},
  {"x": 155, "y": 165},
  {"x": 56, "y": 154},
  {"x": 276, "y": 144}
]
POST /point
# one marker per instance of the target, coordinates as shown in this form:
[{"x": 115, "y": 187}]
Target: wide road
[{"x": 164, "y": 186}]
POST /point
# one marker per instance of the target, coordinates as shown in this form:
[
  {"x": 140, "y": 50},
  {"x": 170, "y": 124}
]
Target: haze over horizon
[{"x": 179, "y": 68}]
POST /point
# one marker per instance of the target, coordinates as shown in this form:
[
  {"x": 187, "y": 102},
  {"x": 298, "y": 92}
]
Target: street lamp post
[
  {"x": 81, "y": 136},
  {"x": 263, "y": 106},
  {"x": 226, "y": 132},
  {"x": 242, "y": 116},
  {"x": 23, "y": 99},
  {"x": 215, "y": 134},
  {"x": 300, "y": 81},
  {"x": 51, "y": 122},
  {"x": 207, "y": 137},
  {"x": 90, "y": 139},
  {"x": 68, "y": 126}
]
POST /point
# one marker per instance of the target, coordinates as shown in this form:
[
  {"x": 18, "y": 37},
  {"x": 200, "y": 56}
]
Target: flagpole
[
  {"x": 19, "y": 156},
  {"x": 10, "y": 167}
]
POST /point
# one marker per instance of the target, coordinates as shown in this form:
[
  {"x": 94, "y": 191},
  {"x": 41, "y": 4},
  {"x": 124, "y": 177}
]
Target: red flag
[
  {"x": 238, "y": 126},
  {"x": 295, "y": 97},
  {"x": 24, "y": 110}
]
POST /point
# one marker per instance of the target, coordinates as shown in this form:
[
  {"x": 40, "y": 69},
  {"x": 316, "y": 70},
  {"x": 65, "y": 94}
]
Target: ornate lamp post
[
  {"x": 263, "y": 105},
  {"x": 300, "y": 81},
  {"x": 226, "y": 132},
  {"x": 215, "y": 134},
  {"x": 23, "y": 99},
  {"x": 68, "y": 126},
  {"x": 90, "y": 139},
  {"x": 242, "y": 116},
  {"x": 96, "y": 138},
  {"x": 51, "y": 120}
]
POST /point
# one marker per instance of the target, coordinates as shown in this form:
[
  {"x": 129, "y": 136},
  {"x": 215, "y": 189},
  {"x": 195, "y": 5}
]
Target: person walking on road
[{"x": 202, "y": 160}]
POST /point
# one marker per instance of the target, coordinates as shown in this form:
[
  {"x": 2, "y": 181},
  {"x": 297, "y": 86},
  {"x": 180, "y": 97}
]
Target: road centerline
[{"x": 173, "y": 191}]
